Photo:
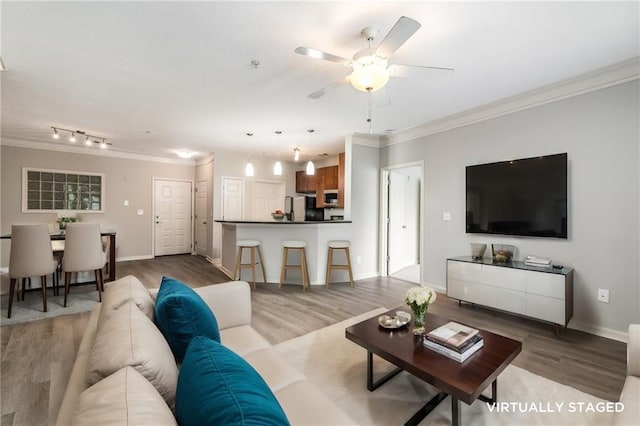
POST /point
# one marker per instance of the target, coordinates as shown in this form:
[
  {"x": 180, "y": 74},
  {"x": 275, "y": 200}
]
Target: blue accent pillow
[
  {"x": 217, "y": 387},
  {"x": 181, "y": 315}
]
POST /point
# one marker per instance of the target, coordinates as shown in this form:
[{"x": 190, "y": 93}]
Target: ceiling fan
[{"x": 370, "y": 66}]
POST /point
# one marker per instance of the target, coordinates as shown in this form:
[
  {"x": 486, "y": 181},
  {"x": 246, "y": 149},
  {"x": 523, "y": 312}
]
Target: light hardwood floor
[{"x": 36, "y": 358}]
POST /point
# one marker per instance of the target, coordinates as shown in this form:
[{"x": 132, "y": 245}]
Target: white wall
[
  {"x": 364, "y": 205},
  {"x": 599, "y": 131},
  {"x": 232, "y": 164}
]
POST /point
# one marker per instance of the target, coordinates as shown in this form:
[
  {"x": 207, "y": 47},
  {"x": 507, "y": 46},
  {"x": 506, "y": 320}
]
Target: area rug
[
  {"x": 338, "y": 367},
  {"x": 80, "y": 299}
]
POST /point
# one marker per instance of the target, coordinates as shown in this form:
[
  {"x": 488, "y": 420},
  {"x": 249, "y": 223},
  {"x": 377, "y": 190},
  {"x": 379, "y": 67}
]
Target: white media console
[{"x": 540, "y": 293}]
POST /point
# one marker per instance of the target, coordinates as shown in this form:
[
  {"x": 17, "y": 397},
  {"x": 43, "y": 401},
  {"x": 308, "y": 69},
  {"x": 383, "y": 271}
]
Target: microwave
[{"x": 331, "y": 197}]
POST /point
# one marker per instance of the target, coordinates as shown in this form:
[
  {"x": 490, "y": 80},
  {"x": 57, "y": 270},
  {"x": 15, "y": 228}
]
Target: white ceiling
[{"x": 156, "y": 77}]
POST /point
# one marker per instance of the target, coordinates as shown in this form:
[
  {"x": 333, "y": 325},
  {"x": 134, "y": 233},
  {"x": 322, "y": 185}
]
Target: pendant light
[
  {"x": 311, "y": 169},
  {"x": 277, "y": 167},
  {"x": 248, "y": 170},
  {"x": 296, "y": 154}
]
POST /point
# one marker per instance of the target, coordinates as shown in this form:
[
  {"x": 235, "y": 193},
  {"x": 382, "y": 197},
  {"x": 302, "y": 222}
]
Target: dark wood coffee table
[{"x": 462, "y": 381}]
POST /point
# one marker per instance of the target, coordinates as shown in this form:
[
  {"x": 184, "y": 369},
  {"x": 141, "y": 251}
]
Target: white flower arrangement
[{"x": 420, "y": 296}]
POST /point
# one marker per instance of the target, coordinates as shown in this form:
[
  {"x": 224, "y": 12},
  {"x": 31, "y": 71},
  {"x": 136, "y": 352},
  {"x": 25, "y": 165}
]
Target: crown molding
[
  {"x": 372, "y": 141},
  {"x": 92, "y": 151},
  {"x": 595, "y": 80},
  {"x": 206, "y": 160}
]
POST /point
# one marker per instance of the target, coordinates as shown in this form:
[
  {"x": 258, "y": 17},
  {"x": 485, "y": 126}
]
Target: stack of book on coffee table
[{"x": 454, "y": 340}]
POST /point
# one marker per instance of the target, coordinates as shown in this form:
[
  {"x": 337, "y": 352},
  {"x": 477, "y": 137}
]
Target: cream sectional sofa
[
  {"x": 301, "y": 400},
  {"x": 630, "y": 396}
]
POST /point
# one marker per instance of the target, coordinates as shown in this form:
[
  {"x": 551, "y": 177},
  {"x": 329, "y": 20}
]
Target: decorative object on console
[
  {"x": 62, "y": 222},
  {"x": 537, "y": 261},
  {"x": 502, "y": 253},
  {"x": 418, "y": 299},
  {"x": 477, "y": 250}
]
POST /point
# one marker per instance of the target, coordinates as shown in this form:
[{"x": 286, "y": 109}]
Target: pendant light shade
[
  {"x": 277, "y": 167},
  {"x": 311, "y": 168},
  {"x": 248, "y": 170},
  {"x": 296, "y": 154}
]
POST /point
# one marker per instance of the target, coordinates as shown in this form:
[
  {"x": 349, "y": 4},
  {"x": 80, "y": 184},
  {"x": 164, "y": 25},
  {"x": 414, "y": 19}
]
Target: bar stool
[
  {"x": 304, "y": 270},
  {"x": 338, "y": 245},
  {"x": 252, "y": 245}
]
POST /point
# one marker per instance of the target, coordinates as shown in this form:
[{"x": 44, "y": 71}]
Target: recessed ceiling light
[{"x": 185, "y": 154}]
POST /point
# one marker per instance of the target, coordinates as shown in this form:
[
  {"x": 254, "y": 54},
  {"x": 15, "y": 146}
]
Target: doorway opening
[{"x": 402, "y": 224}]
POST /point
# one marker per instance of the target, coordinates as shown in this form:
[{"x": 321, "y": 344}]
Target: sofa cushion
[
  {"x": 123, "y": 398},
  {"x": 181, "y": 315},
  {"x": 216, "y": 386},
  {"x": 119, "y": 292},
  {"x": 129, "y": 338}
]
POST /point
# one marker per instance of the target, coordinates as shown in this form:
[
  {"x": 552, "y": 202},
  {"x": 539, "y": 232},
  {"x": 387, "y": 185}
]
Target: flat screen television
[{"x": 525, "y": 197}]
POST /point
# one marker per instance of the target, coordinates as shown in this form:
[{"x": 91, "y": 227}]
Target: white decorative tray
[{"x": 400, "y": 320}]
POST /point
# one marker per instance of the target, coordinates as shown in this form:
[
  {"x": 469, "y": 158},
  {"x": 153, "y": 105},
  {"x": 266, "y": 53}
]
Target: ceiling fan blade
[
  {"x": 318, "y": 54},
  {"x": 417, "y": 71},
  {"x": 328, "y": 88},
  {"x": 381, "y": 98},
  {"x": 401, "y": 31}
]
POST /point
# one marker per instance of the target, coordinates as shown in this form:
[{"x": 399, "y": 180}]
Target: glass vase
[{"x": 419, "y": 312}]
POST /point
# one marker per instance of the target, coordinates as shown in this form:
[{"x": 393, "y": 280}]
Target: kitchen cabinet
[
  {"x": 341, "y": 180},
  {"x": 305, "y": 184},
  {"x": 326, "y": 179}
]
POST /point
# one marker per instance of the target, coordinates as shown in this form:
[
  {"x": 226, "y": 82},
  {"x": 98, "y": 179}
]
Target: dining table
[{"x": 111, "y": 247}]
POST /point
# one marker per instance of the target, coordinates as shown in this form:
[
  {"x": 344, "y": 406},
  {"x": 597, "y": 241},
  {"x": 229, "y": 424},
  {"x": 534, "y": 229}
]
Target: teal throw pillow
[
  {"x": 217, "y": 387},
  {"x": 181, "y": 315}
]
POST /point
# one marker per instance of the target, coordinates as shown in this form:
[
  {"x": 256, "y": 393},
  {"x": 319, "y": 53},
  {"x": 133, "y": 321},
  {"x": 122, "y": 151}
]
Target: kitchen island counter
[{"x": 315, "y": 234}]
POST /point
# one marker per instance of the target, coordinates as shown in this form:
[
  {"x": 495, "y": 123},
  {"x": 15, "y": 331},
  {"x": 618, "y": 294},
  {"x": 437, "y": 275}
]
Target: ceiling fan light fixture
[{"x": 370, "y": 73}]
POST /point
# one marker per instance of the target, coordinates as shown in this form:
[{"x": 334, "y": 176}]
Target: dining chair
[
  {"x": 83, "y": 252},
  {"x": 31, "y": 256}
]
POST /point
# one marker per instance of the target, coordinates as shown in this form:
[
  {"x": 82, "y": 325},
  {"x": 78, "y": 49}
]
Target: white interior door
[
  {"x": 172, "y": 217},
  {"x": 201, "y": 218},
  {"x": 397, "y": 226},
  {"x": 404, "y": 219},
  {"x": 232, "y": 198},
  {"x": 267, "y": 198}
]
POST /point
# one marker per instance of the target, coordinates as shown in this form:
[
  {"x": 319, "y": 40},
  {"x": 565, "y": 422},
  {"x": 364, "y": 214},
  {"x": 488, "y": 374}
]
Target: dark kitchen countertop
[{"x": 281, "y": 222}]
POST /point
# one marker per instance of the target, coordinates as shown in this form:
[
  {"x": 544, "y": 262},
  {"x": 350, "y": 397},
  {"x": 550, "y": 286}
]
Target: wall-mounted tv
[{"x": 526, "y": 197}]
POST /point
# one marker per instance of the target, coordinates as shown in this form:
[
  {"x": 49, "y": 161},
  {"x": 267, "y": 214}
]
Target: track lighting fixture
[{"x": 89, "y": 140}]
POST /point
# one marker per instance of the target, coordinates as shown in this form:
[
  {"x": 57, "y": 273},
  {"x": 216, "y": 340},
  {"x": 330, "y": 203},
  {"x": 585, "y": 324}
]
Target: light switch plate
[
  {"x": 126, "y": 203},
  {"x": 446, "y": 216},
  {"x": 140, "y": 212}
]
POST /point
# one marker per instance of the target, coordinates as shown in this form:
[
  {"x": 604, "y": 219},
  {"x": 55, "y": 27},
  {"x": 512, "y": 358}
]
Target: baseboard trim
[
  {"x": 128, "y": 258},
  {"x": 608, "y": 333}
]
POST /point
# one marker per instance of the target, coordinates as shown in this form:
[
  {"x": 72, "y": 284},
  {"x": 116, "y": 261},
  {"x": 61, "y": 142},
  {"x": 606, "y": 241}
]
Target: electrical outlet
[
  {"x": 446, "y": 216},
  {"x": 603, "y": 295},
  {"x": 358, "y": 259}
]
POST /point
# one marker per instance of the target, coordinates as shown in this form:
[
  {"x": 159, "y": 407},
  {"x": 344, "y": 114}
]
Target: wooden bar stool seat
[
  {"x": 338, "y": 245},
  {"x": 252, "y": 246},
  {"x": 304, "y": 269}
]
